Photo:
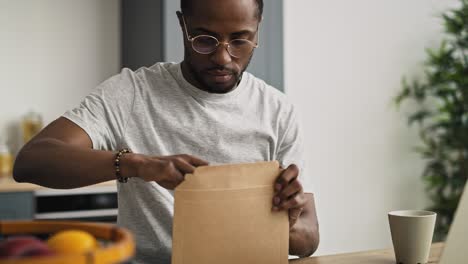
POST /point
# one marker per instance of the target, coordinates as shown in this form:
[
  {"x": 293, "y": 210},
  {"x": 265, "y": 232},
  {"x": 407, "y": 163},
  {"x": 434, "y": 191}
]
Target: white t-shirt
[{"x": 155, "y": 111}]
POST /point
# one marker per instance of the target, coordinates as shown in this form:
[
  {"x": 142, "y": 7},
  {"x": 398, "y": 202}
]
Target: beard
[{"x": 212, "y": 87}]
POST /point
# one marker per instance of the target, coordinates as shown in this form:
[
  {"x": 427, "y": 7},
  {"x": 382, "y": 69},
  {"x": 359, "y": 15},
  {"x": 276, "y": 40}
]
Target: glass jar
[
  {"x": 6, "y": 160},
  {"x": 31, "y": 125}
]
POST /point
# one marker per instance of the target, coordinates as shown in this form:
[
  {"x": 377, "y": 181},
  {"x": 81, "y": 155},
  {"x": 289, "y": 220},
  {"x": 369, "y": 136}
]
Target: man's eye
[
  {"x": 239, "y": 42},
  {"x": 206, "y": 41}
]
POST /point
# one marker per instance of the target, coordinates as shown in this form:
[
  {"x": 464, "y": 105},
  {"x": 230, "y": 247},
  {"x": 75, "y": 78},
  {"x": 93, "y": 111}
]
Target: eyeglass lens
[{"x": 236, "y": 48}]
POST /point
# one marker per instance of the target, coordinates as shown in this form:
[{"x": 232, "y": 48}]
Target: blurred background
[{"x": 340, "y": 62}]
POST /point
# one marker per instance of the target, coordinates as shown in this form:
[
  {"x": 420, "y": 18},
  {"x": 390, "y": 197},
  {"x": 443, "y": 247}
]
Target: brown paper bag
[{"x": 222, "y": 214}]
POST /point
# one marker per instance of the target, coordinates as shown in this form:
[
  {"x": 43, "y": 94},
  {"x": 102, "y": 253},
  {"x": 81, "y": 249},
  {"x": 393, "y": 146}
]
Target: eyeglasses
[{"x": 206, "y": 44}]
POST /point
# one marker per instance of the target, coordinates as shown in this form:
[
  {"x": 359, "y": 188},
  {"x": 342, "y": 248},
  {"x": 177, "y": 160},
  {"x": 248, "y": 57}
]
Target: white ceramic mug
[{"x": 412, "y": 232}]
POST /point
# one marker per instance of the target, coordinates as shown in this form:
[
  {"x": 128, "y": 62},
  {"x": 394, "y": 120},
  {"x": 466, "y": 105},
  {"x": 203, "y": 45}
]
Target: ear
[{"x": 179, "y": 17}]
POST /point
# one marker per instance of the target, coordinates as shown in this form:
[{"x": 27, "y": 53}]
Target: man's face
[{"x": 218, "y": 72}]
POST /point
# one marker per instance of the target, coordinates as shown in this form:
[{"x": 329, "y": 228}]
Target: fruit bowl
[{"x": 116, "y": 243}]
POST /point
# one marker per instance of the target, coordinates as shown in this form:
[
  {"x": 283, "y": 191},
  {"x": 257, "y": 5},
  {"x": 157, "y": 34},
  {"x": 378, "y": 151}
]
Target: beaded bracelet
[{"x": 117, "y": 165}]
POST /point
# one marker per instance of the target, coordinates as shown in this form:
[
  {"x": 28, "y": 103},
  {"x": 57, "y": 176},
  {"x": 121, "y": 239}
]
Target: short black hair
[{"x": 185, "y": 6}]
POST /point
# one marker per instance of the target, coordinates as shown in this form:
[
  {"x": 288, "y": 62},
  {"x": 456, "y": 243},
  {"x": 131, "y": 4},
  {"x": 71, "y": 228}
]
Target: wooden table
[{"x": 385, "y": 256}]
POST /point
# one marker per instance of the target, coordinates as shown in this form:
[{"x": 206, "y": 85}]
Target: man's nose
[{"x": 221, "y": 55}]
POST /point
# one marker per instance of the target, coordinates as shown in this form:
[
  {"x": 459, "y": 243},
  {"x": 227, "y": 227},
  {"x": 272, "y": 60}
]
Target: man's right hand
[{"x": 167, "y": 171}]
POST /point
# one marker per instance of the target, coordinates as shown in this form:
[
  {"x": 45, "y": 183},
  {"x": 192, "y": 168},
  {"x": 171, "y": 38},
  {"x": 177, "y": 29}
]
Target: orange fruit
[{"x": 72, "y": 242}]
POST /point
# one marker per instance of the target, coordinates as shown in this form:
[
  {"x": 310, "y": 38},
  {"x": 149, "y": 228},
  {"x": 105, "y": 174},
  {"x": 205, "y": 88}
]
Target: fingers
[
  {"x": 183, "y": 166},
  {"x": 297, "y": 201},
  {"x": 294, "y": 206},
  {"x": 286, "y": 177},
  {"x": 185, "y": 163},
  {"x": 169, "y": 171},
  {"x": 291, "y": 189},
  {"x": 286, "y": 186},
  {"x": 170, "y": 177},
  {"x": 289, "y": 194},
  {"x": 193, "y": 160}
]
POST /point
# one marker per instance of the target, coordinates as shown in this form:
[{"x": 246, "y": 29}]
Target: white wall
[
  {"x": 343, "y": 64},
  {"x": 52, "y": 53}
]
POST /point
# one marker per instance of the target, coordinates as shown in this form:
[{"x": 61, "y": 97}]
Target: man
[{"x": 205, "y": 107}]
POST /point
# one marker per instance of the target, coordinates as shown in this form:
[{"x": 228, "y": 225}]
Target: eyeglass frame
[{"x": 225, "y": 44}]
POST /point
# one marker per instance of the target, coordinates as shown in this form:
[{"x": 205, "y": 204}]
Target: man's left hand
[{"x": 289, "y": 194}]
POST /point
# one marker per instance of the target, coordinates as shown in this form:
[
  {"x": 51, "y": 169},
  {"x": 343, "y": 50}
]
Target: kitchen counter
[
  {"x": 29, "y": 201},
  {"x": 8, "y": 184}
]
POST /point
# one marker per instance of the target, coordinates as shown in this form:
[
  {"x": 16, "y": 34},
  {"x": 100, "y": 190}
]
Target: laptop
[{"x": 456, "y": 245}]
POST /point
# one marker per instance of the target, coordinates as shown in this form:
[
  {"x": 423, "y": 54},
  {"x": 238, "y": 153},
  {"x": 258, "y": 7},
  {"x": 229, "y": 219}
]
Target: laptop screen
[{"x": 456, "y": 245}]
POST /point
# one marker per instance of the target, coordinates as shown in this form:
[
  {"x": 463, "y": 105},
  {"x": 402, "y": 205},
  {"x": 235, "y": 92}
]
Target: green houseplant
[{"x": 441, "y": 113}]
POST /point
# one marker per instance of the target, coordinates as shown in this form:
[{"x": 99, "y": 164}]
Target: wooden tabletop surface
[{"x": 384, "y": 256}]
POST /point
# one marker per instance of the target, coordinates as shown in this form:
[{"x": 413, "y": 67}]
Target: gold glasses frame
[{"x": 228, "y": 45}]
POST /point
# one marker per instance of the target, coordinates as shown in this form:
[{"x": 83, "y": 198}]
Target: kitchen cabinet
[
  {"x": 17, "y": 205},
  {"x": 32, "y": 202}
]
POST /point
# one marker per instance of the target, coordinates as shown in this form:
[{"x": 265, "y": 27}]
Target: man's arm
[
  {"x": 61, "y": 156},
  {"x": 304, "y": 235},
  {"x": 289, "y": 196}
]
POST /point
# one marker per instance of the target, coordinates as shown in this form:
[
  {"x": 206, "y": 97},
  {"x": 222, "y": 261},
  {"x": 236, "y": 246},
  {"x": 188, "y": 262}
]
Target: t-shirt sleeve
[
  {"x": 104, "y": 113},
  {"x": 291, "y": 148}
]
